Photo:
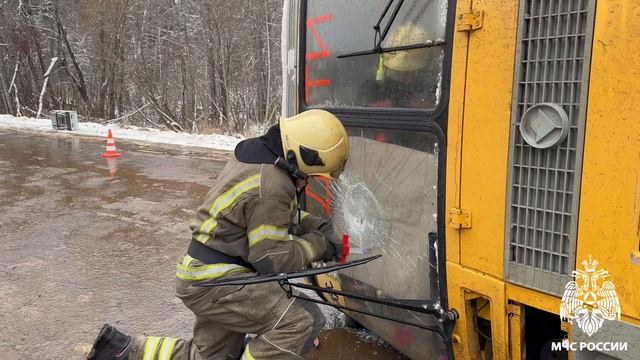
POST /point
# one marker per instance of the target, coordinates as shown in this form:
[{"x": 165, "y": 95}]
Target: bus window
[
  {"x": 387, "y": 201},
  {"x": 400, "y": 79}
]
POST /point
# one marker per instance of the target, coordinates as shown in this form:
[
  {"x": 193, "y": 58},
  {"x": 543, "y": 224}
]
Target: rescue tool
[{"x": 346, "y": 249}]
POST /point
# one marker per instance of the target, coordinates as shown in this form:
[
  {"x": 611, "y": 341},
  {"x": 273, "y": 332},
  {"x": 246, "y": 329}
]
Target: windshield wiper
[
  {"x": 376, "y": 27},
  {"x": 279, "y": 277},
  {"x": 379, "y": 37},
  {"x": 380, "y": 50}
]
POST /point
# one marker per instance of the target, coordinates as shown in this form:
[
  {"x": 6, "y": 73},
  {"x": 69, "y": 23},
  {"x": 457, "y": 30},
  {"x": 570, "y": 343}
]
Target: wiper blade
[
  {"x": 380, "y": 50},
  {"x": 258, "y": 279},
  {"x": 378, "y": 37},
  {"x": 446, "y": 317}
]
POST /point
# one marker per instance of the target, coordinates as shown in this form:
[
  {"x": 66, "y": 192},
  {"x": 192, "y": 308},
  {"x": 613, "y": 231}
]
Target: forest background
[{"x": 196, "y": 66}]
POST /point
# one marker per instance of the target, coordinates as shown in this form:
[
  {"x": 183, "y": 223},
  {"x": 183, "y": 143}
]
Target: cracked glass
[{"x": 386, "y": 201}]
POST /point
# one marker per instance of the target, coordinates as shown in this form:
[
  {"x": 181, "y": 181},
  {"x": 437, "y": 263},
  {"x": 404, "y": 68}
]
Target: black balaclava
[
  {"x": 261, "y": 150},
  {"x": 265, "y": 150}
]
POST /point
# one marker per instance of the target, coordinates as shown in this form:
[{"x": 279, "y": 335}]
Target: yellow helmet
[
  {"x": 318, "y": 141},
  {"x": 406, "y": 60}
]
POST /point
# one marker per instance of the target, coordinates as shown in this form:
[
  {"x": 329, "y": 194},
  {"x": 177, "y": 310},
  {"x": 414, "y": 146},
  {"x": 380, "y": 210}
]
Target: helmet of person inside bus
[
  {"x": 316, "y": 142},
  {"x": 406, "y": 60}
]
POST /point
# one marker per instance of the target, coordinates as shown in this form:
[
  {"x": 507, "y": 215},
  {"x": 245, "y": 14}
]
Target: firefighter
[
  {"x": 250, "y": 223},
  {"x": 407, "y": 78}
]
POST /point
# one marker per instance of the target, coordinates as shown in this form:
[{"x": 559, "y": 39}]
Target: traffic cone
[{"x": 111, "y": 147}]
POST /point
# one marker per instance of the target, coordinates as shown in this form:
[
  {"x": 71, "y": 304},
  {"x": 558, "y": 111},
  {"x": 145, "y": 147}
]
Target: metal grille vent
[{"x": 553, "y": 60}]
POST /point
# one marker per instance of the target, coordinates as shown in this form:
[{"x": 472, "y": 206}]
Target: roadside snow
[{"x": 214, "y": 141}]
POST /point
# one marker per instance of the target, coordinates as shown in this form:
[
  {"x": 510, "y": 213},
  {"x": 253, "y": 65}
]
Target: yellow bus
[{"x": 495, "y": 164}]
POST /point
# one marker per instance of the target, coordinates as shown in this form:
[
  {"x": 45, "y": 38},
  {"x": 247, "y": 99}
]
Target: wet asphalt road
[{"x": 80, "y": 246}]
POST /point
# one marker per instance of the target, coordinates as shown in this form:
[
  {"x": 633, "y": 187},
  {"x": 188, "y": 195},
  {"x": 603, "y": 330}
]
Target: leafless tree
[{"x": 183, "y": 65}]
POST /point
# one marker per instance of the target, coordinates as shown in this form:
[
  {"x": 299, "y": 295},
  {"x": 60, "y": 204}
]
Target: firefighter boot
[{"x": 110, "y": 344}]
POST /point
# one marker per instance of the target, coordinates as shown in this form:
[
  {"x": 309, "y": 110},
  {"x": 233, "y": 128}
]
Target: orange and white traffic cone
[{"x": 111, "y": 147}]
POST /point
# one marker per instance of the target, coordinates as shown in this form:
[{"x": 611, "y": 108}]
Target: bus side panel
[
  {"x": 454, "y": 135},
  {"x": 477, "y": 171},
  {"x": 609, "y": 209},
  {"x": 485, "y": 148}
]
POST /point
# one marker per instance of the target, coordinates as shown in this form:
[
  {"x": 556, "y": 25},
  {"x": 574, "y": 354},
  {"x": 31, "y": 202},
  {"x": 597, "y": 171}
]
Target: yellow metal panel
[
  {"x": 487, "y": 117},
  {"x": 609, "y": 209},
  {"x": 466, "y": 280},
  {"x": 454, "y": 136},
  {"x": 485, "y": 312},
  {"x": 516, "y": 331},
  {"x": 536, "y": 299}
]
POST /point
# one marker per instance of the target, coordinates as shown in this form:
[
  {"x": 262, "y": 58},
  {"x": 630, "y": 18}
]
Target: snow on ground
[{"x": 214, "y": 141}]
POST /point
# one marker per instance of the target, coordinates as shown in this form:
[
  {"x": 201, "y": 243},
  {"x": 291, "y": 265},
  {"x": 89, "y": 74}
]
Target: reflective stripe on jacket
[{"x": 251, "y": 213}]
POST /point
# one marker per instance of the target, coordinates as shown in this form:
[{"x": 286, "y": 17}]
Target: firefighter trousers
[{"x": 285, "y": 327}]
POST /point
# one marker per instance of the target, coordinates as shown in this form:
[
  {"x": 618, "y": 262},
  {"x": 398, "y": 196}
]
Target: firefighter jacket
[{"x": 252, "y": 213}]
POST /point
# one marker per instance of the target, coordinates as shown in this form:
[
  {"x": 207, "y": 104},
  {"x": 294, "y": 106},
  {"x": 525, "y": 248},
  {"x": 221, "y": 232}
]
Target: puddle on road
[
  {"x": 30, "y": 163},
  {"x": 89, "y": 246}
]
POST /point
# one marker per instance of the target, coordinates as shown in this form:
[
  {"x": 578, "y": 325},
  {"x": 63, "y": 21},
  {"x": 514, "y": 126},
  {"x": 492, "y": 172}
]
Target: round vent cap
[{"x": 544, "y": 125}]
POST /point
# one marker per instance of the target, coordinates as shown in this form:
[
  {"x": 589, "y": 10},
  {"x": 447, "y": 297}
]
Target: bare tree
[
  {"x": 187, "y": 65},
  {"x": 44, "y": 85},
  {"x": 15, "y": 88}
]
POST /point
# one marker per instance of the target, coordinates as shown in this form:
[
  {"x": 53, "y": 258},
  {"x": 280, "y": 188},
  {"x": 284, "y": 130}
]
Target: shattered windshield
[
  {"x": 400, "y": 79},
  {"x": 386, "y": 200}
]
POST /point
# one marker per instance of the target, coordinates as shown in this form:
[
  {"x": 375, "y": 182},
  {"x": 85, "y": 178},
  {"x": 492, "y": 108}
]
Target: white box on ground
[{"x": 64, "y": 120}]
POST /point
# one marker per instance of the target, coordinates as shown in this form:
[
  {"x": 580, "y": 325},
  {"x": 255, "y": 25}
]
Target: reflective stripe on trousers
[
  {"x": 159, "y": 348},
  {"x": 246, "y": 355}
]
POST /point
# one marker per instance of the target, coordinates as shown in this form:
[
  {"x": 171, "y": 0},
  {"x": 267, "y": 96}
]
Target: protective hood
[{"x": 261, "y": 150}]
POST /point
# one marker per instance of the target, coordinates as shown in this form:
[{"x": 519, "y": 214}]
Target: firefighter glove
[{"x": 334, "y": 243}]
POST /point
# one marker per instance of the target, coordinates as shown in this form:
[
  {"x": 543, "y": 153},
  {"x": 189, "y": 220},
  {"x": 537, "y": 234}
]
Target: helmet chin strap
[
  {"x": 290, "y": 169},
  {"x": 295, "y": 173}
]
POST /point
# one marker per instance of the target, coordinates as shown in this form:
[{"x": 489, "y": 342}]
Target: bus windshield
[{"x": 398, "y": 79}]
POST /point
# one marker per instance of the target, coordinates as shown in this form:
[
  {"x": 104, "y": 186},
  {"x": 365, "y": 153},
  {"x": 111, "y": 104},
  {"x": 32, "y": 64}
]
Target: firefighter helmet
[
  {"x": 406, "y": 60},
  {"x": 316, "y": 142}
]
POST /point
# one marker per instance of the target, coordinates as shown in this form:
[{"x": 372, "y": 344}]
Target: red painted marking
[
  {"x": 318, "y": 83},
  {"x": 308, "y": 84},
  {"x": 323, "y": 53},
  {"x": 311, "y": 25}
]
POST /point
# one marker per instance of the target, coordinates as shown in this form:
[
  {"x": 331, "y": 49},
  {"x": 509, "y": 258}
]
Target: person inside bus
[{"x": 407, "y": 78}]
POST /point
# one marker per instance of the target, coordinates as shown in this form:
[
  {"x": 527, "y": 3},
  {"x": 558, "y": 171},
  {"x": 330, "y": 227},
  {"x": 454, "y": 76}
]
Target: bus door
[{"x": 383, "y": 68}]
